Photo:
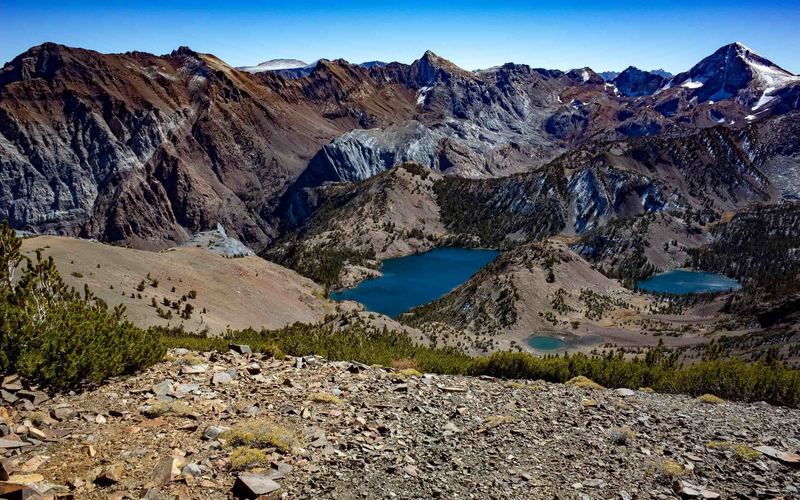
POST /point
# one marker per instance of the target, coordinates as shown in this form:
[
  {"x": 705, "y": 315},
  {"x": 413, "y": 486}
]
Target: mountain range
[{"x": 147, "y": 150}]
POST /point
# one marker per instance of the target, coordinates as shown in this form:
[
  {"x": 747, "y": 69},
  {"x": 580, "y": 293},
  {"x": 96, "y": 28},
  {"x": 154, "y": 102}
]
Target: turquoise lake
[
  {"x": 682, "y": 282},
  {"x": 417, "y": 279},
  {"x": 543, "y": 343}
]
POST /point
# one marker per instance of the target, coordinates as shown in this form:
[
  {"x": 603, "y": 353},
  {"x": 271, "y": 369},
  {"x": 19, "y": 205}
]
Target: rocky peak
[
  {"x": 634, "y": 82},
  {"x": 585, "y": 76},
  {"x": 183, "y": 51},
  {"x": 41, "y": 61},
  {"x": 729, "y": 71},
  {"x": 430, "y": 68}
]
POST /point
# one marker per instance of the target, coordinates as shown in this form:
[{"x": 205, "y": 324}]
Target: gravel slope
[{"x": 387, "y": 434}]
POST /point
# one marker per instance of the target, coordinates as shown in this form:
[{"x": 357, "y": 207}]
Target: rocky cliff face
[{"x": 149, "y": 150}]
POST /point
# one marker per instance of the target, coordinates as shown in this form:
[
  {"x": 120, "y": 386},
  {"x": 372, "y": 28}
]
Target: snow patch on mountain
[
  {"x": 692, "y": 84},
  {"x": 274, "y": 65}
]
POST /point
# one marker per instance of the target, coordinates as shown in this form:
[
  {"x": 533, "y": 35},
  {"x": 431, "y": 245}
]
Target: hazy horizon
[{"x": 558, "y": 35}]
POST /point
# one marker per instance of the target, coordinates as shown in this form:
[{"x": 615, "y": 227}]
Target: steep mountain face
[
  {"x": 634, "y": 82},
  {"x": 735, "y": 71},
  {"x": 147, "y": 150},
  {"x": 774, "y": 146}
]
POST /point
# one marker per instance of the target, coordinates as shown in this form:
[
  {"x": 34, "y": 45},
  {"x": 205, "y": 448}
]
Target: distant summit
[
  {"x": 610, "y": 75},
  {"x": 372, "y": 64},
  {"x": 634, "y": 82}
]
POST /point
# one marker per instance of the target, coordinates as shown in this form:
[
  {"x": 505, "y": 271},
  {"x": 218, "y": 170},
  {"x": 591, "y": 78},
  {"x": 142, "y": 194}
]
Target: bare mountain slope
[{"x": 230, "y": 292}]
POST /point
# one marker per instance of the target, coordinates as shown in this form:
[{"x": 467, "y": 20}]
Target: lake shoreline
[{"x": 417, "y": 279}]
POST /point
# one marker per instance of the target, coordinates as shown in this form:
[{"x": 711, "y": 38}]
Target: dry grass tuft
[
  {"x": 746, "y": 453},
  {"x": 192, "y": 359},
  {"x": 668, "y": 469},
  {"x": 711, "y": 399},
  {"x": 743, "y": 452},
  {"x": 497, "y": 420},
  {"x": 263, "y": 433},
  {"x": 582, "y": 382},
  {"x": 324, "y": 397},
  {"x": 243, "y": 457}
]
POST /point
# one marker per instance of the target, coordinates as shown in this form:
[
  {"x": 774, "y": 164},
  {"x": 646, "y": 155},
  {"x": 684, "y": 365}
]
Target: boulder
[
  {"x": 253, "y": 486},
  {"x": 240, "y": 348}
]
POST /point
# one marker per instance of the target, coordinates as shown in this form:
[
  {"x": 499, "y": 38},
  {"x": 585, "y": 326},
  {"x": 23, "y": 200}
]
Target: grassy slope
[{"x": 238, "y": 292}]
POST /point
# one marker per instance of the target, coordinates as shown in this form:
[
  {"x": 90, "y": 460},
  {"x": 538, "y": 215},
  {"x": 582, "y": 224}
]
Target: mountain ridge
[{"x": 152, "y": 149}]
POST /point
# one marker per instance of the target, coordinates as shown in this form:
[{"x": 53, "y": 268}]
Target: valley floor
[{"x": 370, "y": 432}]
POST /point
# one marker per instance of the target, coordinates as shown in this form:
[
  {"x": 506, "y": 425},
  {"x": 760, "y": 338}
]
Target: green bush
[{"x": 52, "y": 335}]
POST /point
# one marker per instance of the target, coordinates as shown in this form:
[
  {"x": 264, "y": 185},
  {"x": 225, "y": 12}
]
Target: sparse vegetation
[{"x": 54, "y": 336}]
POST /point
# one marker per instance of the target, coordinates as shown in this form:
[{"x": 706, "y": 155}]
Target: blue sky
[{"x": 473, "y": 34}]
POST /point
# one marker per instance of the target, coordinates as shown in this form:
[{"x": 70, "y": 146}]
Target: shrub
[{"x": 55, "y": 337}]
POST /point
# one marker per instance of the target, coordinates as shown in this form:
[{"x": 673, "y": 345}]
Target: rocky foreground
[{"x": 243, "y": 425}]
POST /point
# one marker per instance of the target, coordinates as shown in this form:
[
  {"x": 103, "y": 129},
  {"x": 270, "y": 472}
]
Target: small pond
[
  {"x": 544, "y": 343},
  {"x": 417, "y": 279},
  {"x": 681, "y": 282}
]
